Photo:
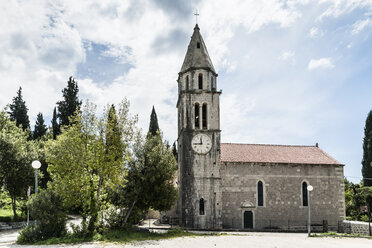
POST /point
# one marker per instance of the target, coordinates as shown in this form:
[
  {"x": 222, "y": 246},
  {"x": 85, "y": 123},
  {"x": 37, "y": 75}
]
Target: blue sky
[{"x": 291, "y": 72}]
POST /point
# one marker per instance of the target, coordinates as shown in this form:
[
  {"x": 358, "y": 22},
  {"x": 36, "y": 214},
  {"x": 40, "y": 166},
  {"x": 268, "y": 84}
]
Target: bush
[
  {"x": 29, "y": 234},
  {"x": 50, "y": 218},
  {"x": 113, "y": 217}
]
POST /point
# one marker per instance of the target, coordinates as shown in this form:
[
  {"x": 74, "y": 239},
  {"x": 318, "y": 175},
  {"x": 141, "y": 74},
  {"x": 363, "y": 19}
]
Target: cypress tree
[
  {"x": 154, "y": 125},
  {"x": 55, "y": 126},
  {"x": 114, "y": 143},
  {"x": 174, "y": 150},
  {"x": 40, "y": 128},
  {"x": 18, "y": 111},
  {"x": 367, "y": 152},
  {"x": 70, "y": 104}
]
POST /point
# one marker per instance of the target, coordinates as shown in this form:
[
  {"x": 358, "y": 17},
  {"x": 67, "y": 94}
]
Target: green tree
[
  {"x": 174, "y": 150},
  {"x": 88, "y": 157},
  {"x": 40, "y": 128},
  {"x": 16, "y": 155},
  {"x": 150, "y": 176},
  {"x": 18, "y": 111},
  {"x": 154, "y": 125},
  {"x": 71, "y": 102},
  {"x": 367, "y": 152},
  {"x": 55, "y": 125}
]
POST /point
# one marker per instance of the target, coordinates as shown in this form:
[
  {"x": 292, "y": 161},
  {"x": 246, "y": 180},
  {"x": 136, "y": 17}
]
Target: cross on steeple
[{"x": 196, "y": 16}]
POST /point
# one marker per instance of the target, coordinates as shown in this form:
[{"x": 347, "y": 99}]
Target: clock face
[{"x": 201, "y": 143}]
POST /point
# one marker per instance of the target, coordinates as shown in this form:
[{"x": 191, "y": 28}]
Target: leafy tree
[
  {"x": 40, "y": 128},
  {"x": 16, "y": 155},
  {"x": 154, "y": 125},
  {"x": 18, "y": 111},
  {"x": 70, "y": 104},
  {"x": 55, "y": 126},
  {"x": 367, "y": 152},
  {"x": 150, "y": 176},
  {"x": 45, "y": 176},
  {"x": 88, "y": 157}
]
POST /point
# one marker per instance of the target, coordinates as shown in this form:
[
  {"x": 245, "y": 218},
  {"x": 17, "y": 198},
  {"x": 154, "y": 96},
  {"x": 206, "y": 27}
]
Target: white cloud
[
  {"x": 360, "y": 25},
  {"x": 337, "y": 8},
  {"x": 325, "y": 63},
  {"x": 287, "y": 56},
  {"x": 315, "y": 32},
  {"x": 263, "y": 100}
]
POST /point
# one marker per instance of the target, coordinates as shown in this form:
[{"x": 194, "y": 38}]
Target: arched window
[
  {"x": 201, "y": 206},
  {"x": 197, "y": 115},
  {"x": 260, "y": 193},
  {"x": 304, "y": 194},
  {"x": 204, "y": 115},
  {"x": 187, "y": 82},
  {"x": 198, "y": 45},
  {"x": 200, "y": 81}
]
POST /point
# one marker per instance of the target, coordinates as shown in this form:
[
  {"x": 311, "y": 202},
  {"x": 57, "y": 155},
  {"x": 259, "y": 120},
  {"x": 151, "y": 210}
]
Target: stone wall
[
  {"x": 354, "y": 227},
  {"x": 282, "y": 208}
]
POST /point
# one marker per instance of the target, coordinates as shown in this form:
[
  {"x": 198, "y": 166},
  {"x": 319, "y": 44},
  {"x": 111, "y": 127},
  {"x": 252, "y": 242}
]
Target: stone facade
[
  {"x": 218, "y": 187},
  {"x": 198, "y": 113},
  {"x": 282, "y": 194},
  {"x": 355, "y": 227}
]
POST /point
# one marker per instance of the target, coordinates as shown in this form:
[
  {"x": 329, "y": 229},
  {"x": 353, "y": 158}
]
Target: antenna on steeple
[{"x": 196, "y": 16}]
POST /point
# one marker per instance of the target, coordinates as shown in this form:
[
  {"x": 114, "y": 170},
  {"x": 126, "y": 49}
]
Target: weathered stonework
[
  {"x": 198, "y": 173},
  {"x": 282, "y": 194},
  {"x": 355, "y": 227},
  {"x": 229, "y": 190}
]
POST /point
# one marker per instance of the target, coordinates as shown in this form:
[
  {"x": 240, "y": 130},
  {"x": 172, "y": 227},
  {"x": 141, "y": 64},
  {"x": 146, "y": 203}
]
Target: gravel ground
[{"x": 232, "y": 240}]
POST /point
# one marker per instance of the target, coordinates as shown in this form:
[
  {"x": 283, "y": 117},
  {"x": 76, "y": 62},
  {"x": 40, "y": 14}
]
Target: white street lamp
[
  {"x": 36, "y": 165},
  {"x": 309, "y": 189}
]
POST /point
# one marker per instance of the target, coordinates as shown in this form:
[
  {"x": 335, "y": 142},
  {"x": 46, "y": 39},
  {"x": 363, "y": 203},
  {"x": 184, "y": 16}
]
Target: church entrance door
[{"x": 248, "y": 219}]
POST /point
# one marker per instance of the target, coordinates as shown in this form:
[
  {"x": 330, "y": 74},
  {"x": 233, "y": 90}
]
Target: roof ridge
[{"x": 230, "y": 143}]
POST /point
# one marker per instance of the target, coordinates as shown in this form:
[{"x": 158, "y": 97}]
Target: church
[{"x": 244, "y": 186}]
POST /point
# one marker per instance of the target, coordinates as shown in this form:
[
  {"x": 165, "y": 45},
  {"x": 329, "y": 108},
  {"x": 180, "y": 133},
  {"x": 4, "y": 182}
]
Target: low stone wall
[{"x": 355, "y": 227}]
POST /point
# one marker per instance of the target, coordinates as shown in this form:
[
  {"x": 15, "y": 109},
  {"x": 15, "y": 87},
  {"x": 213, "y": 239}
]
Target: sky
[{"x": 291, "y": 72}]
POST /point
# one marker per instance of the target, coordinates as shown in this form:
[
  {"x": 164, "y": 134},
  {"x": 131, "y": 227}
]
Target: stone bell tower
[{"x": 199, "y": 131}]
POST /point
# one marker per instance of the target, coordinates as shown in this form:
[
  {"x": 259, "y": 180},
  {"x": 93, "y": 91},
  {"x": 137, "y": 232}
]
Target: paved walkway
[{"x": 230, "y": 240}]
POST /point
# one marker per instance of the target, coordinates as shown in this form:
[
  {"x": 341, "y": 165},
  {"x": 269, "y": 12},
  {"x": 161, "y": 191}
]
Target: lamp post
[
  {"x": 36, "y": 165},
  {"x": 309, "y": 189}
]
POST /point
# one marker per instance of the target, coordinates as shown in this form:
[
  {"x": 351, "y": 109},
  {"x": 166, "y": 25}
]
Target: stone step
[{"x": 5, "y": 226}]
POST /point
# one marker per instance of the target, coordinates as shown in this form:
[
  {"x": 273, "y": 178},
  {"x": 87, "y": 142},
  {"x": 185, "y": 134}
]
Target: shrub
[{"x": 50, "y": 218}]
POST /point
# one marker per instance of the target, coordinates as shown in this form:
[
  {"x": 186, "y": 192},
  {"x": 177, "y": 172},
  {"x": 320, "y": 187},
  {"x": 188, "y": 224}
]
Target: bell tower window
[
  {"x": 204, "y": 114},
  {"x": 198, "y": 45},
  {"x": 200, "y": 81},
  {"x": 187, "y": 82},
  {"x": 197, "y": 115}
]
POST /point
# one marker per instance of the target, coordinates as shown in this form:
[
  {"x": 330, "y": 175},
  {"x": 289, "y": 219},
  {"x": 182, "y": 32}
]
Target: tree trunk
[
  {"x": 93, "y": 210},
  {"x": 128, "y": 213},
  {"x": 14, "y": 206},
  {"x": 99, "y": 187}
]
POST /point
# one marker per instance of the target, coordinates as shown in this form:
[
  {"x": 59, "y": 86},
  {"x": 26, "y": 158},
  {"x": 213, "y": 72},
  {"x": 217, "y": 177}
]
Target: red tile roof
[{"x": 275, "y": 154}]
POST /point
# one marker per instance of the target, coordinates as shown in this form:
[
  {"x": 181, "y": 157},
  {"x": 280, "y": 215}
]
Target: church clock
[{"x": 201, "y": 143}]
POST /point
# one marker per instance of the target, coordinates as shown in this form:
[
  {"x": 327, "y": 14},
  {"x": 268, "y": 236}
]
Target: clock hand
[{"x": 201, "y": 141}]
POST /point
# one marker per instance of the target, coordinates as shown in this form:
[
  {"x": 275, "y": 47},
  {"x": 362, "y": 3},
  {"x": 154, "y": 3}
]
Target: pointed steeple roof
[{"x": 197, "y": 56}]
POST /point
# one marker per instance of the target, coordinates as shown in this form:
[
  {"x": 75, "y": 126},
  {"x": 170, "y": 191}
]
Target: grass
[
  {"x": 339, "y": 235},
  {"x": 119, "y": 236},
  {"x": 6, "y": 215}
]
